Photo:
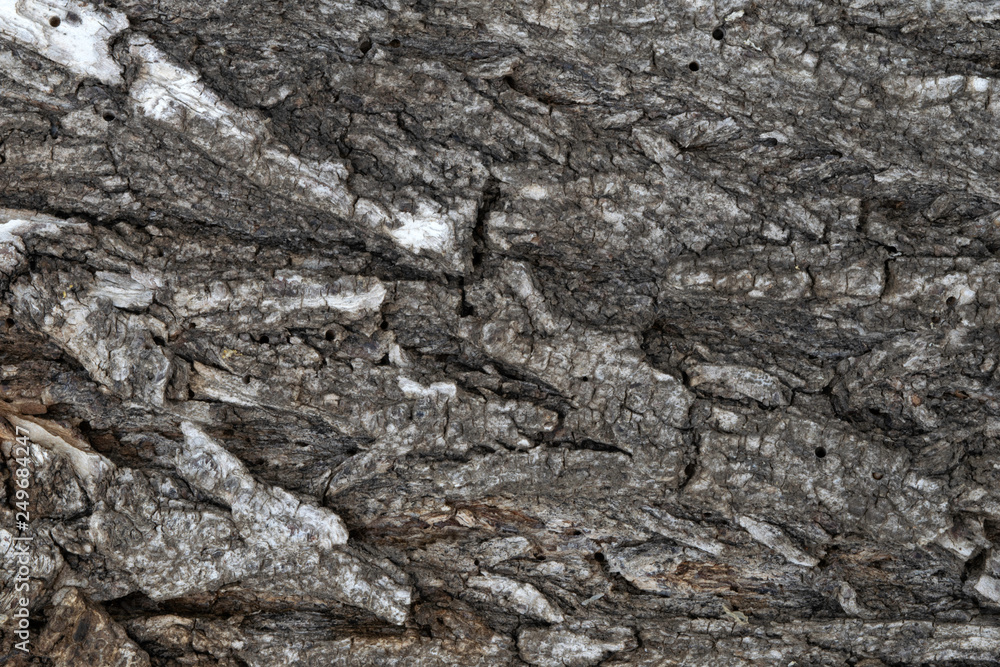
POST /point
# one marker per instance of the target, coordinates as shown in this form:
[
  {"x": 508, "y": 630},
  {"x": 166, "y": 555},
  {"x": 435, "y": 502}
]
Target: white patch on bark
[
  {"x": 78, "y": 43},
  {"x": 269, "y": 513},
  {"x": 988, "y": 587},
  {"x": 428, "y": 228},
  {"x": 680, "y": 530},
  {"x": 848, "y": 599},
  {"x": 423, "y": 231},
  {"x": 564, "y": 648},
  {"x": 413, "y": 389},
  {"x": 315, "y": 295},
  {"x": 397, "y": 356},
  {"x": 174, "y": 96},
  {"x": 352, "y": 298},
  {"x": 169, "y": 93},
  {"x": 731, "y": 381},
  {"x": 123, "y": 291},
  {"x": 502, "y": 548},
  {"x": 772, "y": 537},
  {"x": 18, "y": 224},
  {"x": 963, "y": 538},
  {"x": 90, "y": 467},
  {"x": 521, "y": 597}
]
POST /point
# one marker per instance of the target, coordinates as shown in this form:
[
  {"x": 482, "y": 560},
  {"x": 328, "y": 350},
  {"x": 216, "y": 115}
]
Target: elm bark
[{"x": 531, "y": 333}]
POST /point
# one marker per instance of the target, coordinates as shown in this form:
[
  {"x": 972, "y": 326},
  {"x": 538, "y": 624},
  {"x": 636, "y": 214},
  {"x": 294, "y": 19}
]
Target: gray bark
[{"x": 459, "y": 333}]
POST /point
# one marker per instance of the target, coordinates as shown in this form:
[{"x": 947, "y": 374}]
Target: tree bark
[{"x": 449, "y": 333}]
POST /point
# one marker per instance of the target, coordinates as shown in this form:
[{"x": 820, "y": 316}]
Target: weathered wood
[{"x": 497, "y": 334}]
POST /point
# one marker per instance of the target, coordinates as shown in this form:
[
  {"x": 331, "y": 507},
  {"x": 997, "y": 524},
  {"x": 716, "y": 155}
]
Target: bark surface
[{"x": 501, "y": 333}]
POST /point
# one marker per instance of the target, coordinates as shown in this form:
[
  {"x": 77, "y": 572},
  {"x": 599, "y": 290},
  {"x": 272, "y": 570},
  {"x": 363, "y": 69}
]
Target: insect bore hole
[
  {"x": 109, "y": 115},
  {"x": 820, "y": 452},
  {"x": 718, "y": 34},
  {"x": 694, "y": 66},
  {"x": 950, "y": 301},
  {"x": 54, "y": 21}
]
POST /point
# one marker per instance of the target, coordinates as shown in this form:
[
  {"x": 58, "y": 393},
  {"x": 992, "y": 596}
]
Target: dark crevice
[
  {"x": 490, "y": 202},
  {"x": 592, "y": 445}
]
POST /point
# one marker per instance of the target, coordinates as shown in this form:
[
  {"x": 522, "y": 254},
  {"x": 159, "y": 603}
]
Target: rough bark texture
[{"x": 502, "y": 333}]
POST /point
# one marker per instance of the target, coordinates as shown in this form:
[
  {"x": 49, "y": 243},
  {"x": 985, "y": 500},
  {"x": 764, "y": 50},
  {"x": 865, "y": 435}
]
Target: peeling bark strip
[
  {"x": 72, "y": 34},
  {"x": 465, "y": 334}
]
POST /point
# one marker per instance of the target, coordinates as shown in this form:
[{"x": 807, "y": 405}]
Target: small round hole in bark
[
  {"x": 365, "y": 46},
  {"x": 394, "y": 44},
  {"x": 246, "y": 379},
  {"x": 718, "y": 34},
  {"x": 694, "y": 66},
  {"x": 84, "y": 427},
  {"x": 265, "y": 339},
  {"x": 950, "y": 301},
  {"x": 384, "y": 326},
  {"x": 9, "y": 322},
  {"x": 109, "y": 115},
  {"x": 689, "y": 470},
  {"x": 330, "y": 335},
  {"x": 599, "y": 557},
  {"x": 820, "y": 452},
  {"x": 877, "y": 475},
  {"x": 54, "y": 21}
]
